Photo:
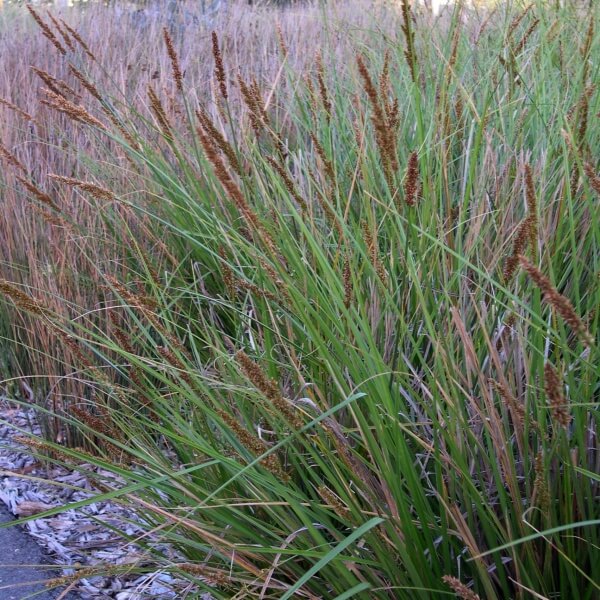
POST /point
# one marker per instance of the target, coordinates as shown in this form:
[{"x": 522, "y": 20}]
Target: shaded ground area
[{"x": 17, "y": 548}]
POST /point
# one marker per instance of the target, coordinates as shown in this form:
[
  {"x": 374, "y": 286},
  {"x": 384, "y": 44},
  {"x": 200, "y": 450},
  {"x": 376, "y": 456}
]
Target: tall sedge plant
[{"x": 367, "y": 367}]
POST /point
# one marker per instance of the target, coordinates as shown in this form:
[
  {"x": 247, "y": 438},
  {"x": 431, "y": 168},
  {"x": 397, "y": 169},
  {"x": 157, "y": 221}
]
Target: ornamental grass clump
[{"x": 296, "y": 340}]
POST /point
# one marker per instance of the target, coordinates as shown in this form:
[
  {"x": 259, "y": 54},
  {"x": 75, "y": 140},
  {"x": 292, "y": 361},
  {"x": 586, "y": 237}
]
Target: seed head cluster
[
  {"x": 560, "y": 303},
  {"x": 268, "y": 388},
  {"x": 556, "y": 399}
]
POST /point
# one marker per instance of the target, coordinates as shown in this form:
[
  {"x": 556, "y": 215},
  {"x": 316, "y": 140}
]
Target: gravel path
[{"x": 17, "y": 548}]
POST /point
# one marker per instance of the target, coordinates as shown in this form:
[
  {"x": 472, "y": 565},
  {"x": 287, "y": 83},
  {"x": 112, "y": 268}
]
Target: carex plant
[{"x": 366, "y": 364}]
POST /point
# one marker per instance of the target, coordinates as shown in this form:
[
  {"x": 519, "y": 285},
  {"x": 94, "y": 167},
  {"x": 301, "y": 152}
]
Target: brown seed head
[
  {"x": 46, "y": 31},
  {"x": 411, "y": 180},
  {"x": 384, "y": 130},
  {"x": 38, "y": 194},
  {"x": 591, "y": 175},
  {"x": 268, "y": 388},
  {"x": 460, "y": 589},
  {"x": 522, "y": 237},
  {"x": 94, "y": 190},
  {"x": 78, "y": 39},
  {"x": 21, "y": 299},
  {"x": 560, "y": 303},
  {"x": 74, "y": 111},
  {"x": 219, "y": 69},
  {"x": 219, "y": 140},
  {"x": 348, "y": 288},
  {"x": 175, "y": 66},
  {"x": 88, "y": 85},
  {"x": 327, "y": 164},
  {"x": 531, "y": 222},
  {"x": 289, "y": 184},
  {"x": 520, "y": 46},
  {"x": 254, "y": 444},
  {"x": 333, "y": 502},
  {"x": 281, "y": 40},
  {"x": 409, "y": 39},
  {"x": 159, "y": 113},
  {"x": 16, "y": 109},
  {"x": 540, "y": 486},
  {"x": 56, "y": 86},
  {"x": 553, "y": 387},
  {"x": 63, "y": 32},
  {"x": 11, "y": 159},
  {"x": 211, "y": 576},
  {"x": 233, "y": 190},
  {"x": 255, "y": 111},
  {"x": 324, "y": 93}
]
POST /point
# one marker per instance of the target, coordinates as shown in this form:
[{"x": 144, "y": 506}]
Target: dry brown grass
[{"x": 55, "y": 243}]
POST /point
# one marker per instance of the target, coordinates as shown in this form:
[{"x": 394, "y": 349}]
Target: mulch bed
[{"x": 77, "y": 537}]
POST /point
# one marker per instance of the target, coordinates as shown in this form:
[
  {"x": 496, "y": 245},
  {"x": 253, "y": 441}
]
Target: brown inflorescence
[
  {"x": 63, "y": 32},
  {"x": 211, "y": 576},
  {"x": 289, "y": 184},
  {"x": 522, "y": 237},
  {"x": 72, "y": 110},
  {"x": 90, "y": 87},
  {"x": 557, "y": 401},
  {"x": 385, "y": 136},
  {"x": 323, "y": 92},
  {"x": 56, "y": 86},
  {"x": 519, "y": 17},
  {"x": 159, "y": 113},
  {"x": 459, "y": 588},
  {"x": 11, "y": 159},
  {"x": 560, "y": 303},
  {"x": 516, "y": 408},
  {"x": 21, "y": 299},
  {"x": 591, "y": 175},
  {"x": 52, "y": 219},
  {"x": 411, "y": 180},
  {"x": 333, "y": 502},
  {"x": 520, "y": 46},
  {"x": 256, "y": 113},
  {"x": 268, "y": 388},
  {"x": 46, "y": 31},
  {"x": 94, "y": 190},
  {"x": 373, "y": 250},
  {"x": 348, "y": 288},
  {"x": 233, "y": 190},
  {"x": 540, "y": 485},
  {"x": 16, "y": 109},
  {"x": 531, "y": 199},
  {"x": 327, "y": 164},
  {"x": 219, "y": 140},
  {"x": 177, "y": 363},
  {"x": 409, "y": 40},
  {"x": 175, "y": 66},
  {"x": 227, "y": 273},
  {"x": 254, "y": 444},
  {"x": 78, "y": 39},
  {"x": 219, "y": 69},
  {"x": 580, "y": 113},
  {"x": 281, "y": 40},
  {"x": 38, "y": 194}
]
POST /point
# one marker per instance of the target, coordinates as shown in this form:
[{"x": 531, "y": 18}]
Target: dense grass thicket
[{"x": 321, "y": 302}]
